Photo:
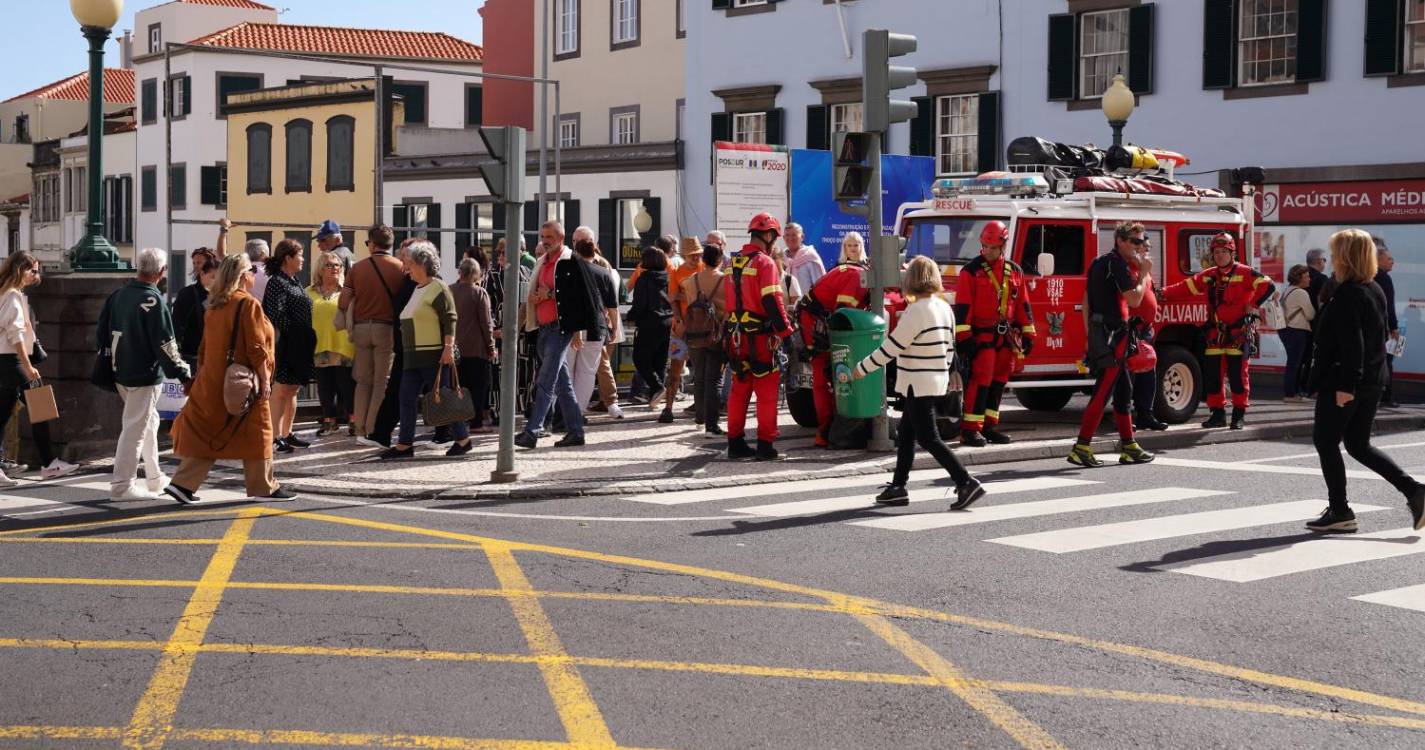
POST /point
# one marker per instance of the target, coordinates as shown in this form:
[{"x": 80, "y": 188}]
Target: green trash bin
[{"x": 854, "y": 335}]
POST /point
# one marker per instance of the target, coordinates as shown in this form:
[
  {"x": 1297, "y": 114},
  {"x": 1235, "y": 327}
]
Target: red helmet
[
  {"x": 1143, "y": 360},
  {"x": 994, "y": 233},
  {"x": 765, "y": 222},
  {"x": 1224, "y": 239}
]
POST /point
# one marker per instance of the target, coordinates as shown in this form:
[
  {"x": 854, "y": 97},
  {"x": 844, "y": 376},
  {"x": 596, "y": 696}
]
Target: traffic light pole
[
  {"x": 881, "y": 423},
  {"x": 509, "y": 355}
]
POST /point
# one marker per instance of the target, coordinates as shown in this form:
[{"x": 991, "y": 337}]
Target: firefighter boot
[
  {"x": 992, "y": 434},
  {"x": 739, "y": 450},
  {"x": 1218, "y": 418},
  {"x": 1239, "y": 418},
  {"x": 1082, "y": 455},
  {"x": 972, "y": 439},
  {"x": 767, "y": 452},
  {"x": 1132, "y": 453}
]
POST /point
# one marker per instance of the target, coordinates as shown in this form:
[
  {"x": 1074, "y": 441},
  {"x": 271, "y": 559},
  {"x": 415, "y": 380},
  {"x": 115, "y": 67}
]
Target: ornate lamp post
[
  {"x": 1118, "y": 107},
  {"x": 94, "y": 252}
]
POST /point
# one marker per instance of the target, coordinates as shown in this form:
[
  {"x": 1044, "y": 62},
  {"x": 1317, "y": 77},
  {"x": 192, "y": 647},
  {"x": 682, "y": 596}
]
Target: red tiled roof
[
  {"x": 332, "y": 40},
  {"x": 118, "y": 88},
  {"x": 247, "y": 4}
]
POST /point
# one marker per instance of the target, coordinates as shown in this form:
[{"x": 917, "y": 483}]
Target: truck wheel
[
  {"x": 802, "y": 407},
  {"x": 1179, "y": 385},
  {"x": 1044, "y": 399}
]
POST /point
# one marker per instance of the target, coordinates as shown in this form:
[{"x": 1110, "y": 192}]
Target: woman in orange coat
[{"x": 204, "y": 431}]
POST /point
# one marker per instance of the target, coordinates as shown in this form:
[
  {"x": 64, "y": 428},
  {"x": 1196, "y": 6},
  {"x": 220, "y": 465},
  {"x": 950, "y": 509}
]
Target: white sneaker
[
  {"x": 130, "y": 492},
  {"x": 157, "y": 486},
  {"x": 6, "y": 481},
  {"x": 57, "y": 469},
  {"x": 615, "y": 411},
  {"x": 366, "y": 441}
]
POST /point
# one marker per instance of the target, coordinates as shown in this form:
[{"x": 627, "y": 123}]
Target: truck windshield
[{"x": 946, "y": 240}]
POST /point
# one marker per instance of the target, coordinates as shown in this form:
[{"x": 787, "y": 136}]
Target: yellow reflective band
[
  {"x": 1260, "y": 280},
  {"x": 1027, "y": 329},
  {"x": 1001, "y": 288},
  {"x": 1192, "y": 287},
  {"x": 992, "y": 413},
  {"x": 1234, "y": 278},
  {"x": 962, "y": 329},
  {"x": 848, "y": 299},
  {"x": 773, "y": 289},
  {"x": 974, "y": 418}
]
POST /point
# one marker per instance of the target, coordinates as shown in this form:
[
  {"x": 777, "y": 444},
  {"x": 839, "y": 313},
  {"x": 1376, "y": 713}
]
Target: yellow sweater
[{"x": 329, "y": 339}]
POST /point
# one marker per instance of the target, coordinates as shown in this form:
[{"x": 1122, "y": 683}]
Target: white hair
[
  {"x": 469, "y": 269},
  {"x": 585, "y": 231},
  {"x": 151, "y": 261},
  {"x": 424, "y": 254},
  {"x": 257, "y": 250},
  {"x": 719, "y": 235},
  {"x": 793, "y": 225},
  {"x": 850, "y": 236}
]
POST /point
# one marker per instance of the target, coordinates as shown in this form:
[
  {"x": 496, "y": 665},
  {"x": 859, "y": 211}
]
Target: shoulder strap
[
  {"x": 381, "y": 278},
  {"x": 232, "y": 340}
]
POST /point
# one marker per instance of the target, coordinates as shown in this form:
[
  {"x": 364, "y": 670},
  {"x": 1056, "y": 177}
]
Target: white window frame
[
  {"x": 957, "y": 149},
  {"x": 1089, "y": 56},
  {"x": 625, "y": 25},
  {"x": 625, "y": 130},
  {"x": 749, "y": 127},
  {"x": 155, "y": 39},
  {"x": 747, "y": 3},
  {"x": 1281, "y": 28},
  {"x": 569, "y": 133},
  {"x": 1414, "y": 36},
  {"x": 566, "y": 40},
  {"x": 847, "y": 118}
]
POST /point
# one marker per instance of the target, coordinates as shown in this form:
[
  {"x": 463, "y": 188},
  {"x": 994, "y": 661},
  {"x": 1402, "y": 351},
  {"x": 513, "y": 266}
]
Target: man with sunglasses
[
  {"x": 1233, "y": 292},
  {"x": 1117, "y": 281}
]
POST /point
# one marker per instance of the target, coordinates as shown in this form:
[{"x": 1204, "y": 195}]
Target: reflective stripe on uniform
[
  {"x": 847, "y": 299},
  {"x": 992, "y": 413},
  {"x": 963, "y": 328},
  {"x": 773, "y": 289},
  {"x": 1192, "y": 287},
  {"x": 973, "y": 418}
]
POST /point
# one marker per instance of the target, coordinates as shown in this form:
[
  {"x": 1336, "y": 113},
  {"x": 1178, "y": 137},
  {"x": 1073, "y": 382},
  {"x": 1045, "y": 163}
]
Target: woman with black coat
[
  {"x": 191, "y": 305},
  {"x": 653, "y": 314},
  {"x": 1348, "y": 372}
]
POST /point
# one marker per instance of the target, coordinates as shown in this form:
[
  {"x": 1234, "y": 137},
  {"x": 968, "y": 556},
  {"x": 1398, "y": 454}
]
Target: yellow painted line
[
  {"x": 342, "y": 739},
  {"x": 123, "y": 520},
  {"x": 154, "y": 583},
  {"x": 1028, "y": 734},
  {"x": 152, "y": 720},
  {"x": 96, "y": 540},
  {"x": 58, "y": 733},
  {"x": 251, "y": 542},
  {"x": 60, "y": 644},
  {"x": 581, "y": 716}
]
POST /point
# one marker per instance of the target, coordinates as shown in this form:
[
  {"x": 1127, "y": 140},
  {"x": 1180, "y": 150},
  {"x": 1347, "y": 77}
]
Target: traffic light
[
  {"x": 504, "y": 177},
  {"x": 852, "y": 173},
  {"x": 881, "y": 78}
]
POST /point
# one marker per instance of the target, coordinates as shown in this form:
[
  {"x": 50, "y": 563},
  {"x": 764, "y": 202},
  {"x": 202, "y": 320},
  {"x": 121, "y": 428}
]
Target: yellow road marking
[
  {"x": 152, "y": 720},
  {"x": 343, "y": 739},
  {"x": 251, "y": 542},
  {"x": 581, "y": 716},
  {"x": 124, "y": 520},
  {"x": 58, "y": 733},
  {"x": 1001, "y": 714}
]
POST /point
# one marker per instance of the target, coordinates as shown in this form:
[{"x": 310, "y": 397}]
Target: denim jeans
[
  {"x": 413, "y": 383},
  {"x": 1295, "y": 340},
  {"x": 554, "y": 381}
]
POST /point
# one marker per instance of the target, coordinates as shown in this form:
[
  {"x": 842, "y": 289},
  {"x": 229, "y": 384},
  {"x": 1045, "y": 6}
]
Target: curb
[{"x": 1055, "y": 448}]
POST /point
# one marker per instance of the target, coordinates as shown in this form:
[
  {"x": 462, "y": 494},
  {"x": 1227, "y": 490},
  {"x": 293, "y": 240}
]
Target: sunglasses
[{"x": 1140, "y": 240}]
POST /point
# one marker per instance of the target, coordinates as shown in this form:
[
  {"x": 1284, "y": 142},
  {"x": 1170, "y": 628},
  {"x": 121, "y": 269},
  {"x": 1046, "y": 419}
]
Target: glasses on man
[{"x": 1140, "y": 240}]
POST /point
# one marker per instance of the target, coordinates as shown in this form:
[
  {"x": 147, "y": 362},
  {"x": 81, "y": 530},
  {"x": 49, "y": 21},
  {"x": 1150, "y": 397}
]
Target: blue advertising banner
[{"x": 905, "y": 178}]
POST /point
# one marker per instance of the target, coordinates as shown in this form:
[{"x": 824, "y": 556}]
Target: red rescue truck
[{"x": 1056, "y": 230}]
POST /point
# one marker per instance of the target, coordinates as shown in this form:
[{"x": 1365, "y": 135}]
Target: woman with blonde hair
[
  {"x": 20, "y": 353},
  {"x": 205, "y": 432},
  {"x": 335, "y": 354},
  {"x": 1348, "y": 373},
  {"x": 853, "y": 249},
  {"x": 922, "y": 346}
]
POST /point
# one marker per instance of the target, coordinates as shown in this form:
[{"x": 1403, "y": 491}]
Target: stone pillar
[{"x": 67, "y": 307}]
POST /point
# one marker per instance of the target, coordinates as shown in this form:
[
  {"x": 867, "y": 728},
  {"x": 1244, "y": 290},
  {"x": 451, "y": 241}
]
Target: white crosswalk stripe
[
  {"x": 1410, "y": 597},
  {"x": 864, "y": 499},
  {"x": 990, "y": 513},
  {"x": 1311, "y": 554},
  {"x": 780, "y": 488},
  {"x": 1082, "y": 538}
]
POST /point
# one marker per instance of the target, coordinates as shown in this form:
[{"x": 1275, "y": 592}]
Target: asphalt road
[{"x": 1180, "y": 604}]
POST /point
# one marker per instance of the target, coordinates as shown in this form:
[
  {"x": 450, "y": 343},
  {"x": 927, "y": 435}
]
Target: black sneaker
[
  {"x": 714, "y": 429},
  {"x": 278, "y": 496},
  {"x": 569, "y": 441},
  {"x": 739, "y": 450},
  {"x": 767, "y": 452},
  {"x": 1239, "y": 419},
  {"x": 995, "y": 436},
  {"x": 967, "y": 493},
  {"x": 1416, "y": 502},
  {"x": 394, "y": 453},
  {"x": 972, "y": 439},
  {"x": 182, "y": 496},
  {"x": 526, "y": 440},
  {"x": 666, "y": 417},
  {"x": 690, "y": 409},
  {"x": 296, "y": 442},
  {"x": 1332, "y": 522},
  {"x": 894, "y": 496},
  {"x": 1082, "y": 455},
  {"x": 280, "y": 445},
  {"x": 459, "y": 449},
  {"x": 1218, "y": 419},
  {"x": 1146, "y": 421}
]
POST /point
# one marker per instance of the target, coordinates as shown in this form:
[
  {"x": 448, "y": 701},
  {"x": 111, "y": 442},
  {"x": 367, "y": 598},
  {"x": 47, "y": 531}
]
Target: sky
[{"x": 50, "y": 47}]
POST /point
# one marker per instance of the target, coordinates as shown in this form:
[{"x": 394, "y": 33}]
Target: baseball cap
[{"x": 327, "y": 229}]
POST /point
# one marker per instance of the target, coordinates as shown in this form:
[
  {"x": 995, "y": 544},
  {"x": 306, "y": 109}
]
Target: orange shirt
[{"x": 675, "y": 283}]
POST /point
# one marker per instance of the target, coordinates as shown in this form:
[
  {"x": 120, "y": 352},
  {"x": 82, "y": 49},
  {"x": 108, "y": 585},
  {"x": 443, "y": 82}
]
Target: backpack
[{"x": 701, "y": 328}]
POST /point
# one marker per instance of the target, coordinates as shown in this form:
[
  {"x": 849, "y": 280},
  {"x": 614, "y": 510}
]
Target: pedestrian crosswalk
[{"x": 1197, "y": 516}]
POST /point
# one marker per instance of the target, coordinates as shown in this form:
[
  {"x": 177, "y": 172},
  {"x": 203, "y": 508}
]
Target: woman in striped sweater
[{"x": 921, "y": 346}]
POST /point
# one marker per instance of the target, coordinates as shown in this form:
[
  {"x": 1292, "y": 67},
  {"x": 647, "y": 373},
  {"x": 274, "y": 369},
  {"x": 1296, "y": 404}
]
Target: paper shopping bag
[{"x": 39, "y": 402}]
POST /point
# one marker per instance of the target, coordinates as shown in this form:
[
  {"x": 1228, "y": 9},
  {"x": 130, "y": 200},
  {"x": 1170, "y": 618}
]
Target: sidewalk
[{"x": 638, "y": 455}]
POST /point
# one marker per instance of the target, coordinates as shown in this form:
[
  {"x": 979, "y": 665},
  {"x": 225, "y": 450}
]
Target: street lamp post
[
  {"x": 94, "y": 252},
  {"x": 1118, "y": 107}
]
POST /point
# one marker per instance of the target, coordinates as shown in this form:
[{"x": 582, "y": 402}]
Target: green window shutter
[
  {"x": 607, "y": 230},
  {"x": 721, "y": 126},
  {"x": 400, "y": 217},
  {"x": 1311, "y": 41},
  {"x": 989, "y": 139},
  {"x": 474, "y": 106},
  {"x": 433, "y": 222},
  {"x": 571, "y": 215},
  {"x": 464, "y": 238},
  {"x": 721, "y": 4},
  {"x": 1219, "y": 43},
  {"x": 818, "y": 127},
  {"x": 1383, "y": 37},
  {"x": 148, "y": 189},
  {"x": 922, "y": 128},
  {"x": 149, "y": 95},
  {"x": 776, "y": 130},
  {"x": 187, "y": 95},
  {"x": 210, "y": 185},
  {"x": 1063, "y": 53},
  {"x": 1140, "y": 48}
]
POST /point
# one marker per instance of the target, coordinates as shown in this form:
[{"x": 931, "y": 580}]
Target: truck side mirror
[{"x": 1045, "y": 264}]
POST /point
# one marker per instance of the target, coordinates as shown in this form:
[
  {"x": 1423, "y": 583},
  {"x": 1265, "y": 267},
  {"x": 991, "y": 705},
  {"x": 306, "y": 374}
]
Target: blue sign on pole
[{"x": 903, "y": 179}]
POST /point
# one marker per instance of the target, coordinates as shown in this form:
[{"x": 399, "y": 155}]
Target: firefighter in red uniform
[
  {"x": 843, "y": 286},
  {"x": 1233, "y": 292},
  {"x": 994, "y": 328},
  {"x": 756, "y": 324}
]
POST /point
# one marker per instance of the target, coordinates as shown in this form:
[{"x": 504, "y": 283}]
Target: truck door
[{"x": 1057, "y": 299}]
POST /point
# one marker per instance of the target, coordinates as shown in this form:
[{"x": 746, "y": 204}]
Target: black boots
[
  {"x": 1239, "y": 418},
  {"x": 993, "y": 435},
  {"x": 1144, "y": 420},
  {"x": 1218, "y": 419},
  {"x": 767, "y": 452},
  {"x": 739, "y": 450},
  {"x": 972, "y": 439}
]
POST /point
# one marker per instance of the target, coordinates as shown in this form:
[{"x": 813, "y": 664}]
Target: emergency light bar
[{"x": 991, "y": 183}]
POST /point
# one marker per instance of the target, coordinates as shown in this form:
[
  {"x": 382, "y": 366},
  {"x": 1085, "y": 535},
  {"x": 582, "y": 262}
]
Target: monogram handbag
[
  {"x": 239, "y": 381},
  {"x": 447, "y": 405}
]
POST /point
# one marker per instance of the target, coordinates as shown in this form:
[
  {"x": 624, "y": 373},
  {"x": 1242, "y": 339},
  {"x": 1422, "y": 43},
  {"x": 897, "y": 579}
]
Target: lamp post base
[{"x": 94, "y": 254}]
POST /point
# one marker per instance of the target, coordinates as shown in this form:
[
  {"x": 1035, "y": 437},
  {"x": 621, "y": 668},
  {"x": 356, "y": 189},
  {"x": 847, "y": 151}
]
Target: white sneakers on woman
[{"x": 57, "y": 469}]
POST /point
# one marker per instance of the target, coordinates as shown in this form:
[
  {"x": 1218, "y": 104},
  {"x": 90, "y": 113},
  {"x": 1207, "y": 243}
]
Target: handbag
[
  {"x": 447, "y": 405},
  {"x": 40, "y": 403},
  {"x": 102, "y": 376},
  {"x": 38, "y": 354},
  {"x": 239, "y": 381}
]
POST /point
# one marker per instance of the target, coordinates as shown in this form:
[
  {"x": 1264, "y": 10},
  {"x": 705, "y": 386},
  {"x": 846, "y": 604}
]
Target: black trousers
[
  {"x": 650, "y": 354},
  {"x": 12, "y": 386},
  {"x": 1145, "y": 391},
  {"x": 1352, "y": 424},
  {"x": 336, "y": 391},
  {"x": 390, "y": 414},
  {"x": 475, "y": 375},
  {"x": 918, "y": 427},
  {"x": 707, "y": 367}
]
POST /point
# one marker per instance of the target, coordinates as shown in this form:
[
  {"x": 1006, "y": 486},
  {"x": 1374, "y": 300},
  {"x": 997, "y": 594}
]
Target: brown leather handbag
[
  {"x": 447, "y": 405},
  {"x": 239, "y": 381}
]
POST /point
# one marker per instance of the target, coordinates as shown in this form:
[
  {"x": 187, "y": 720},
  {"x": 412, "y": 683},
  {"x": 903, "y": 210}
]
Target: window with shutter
[
  {"x": 1218, "y": 35},
  {"x": 414, "y": 96},
  {"x": 299, "y": 156},
  {"x": 148, "y": 93},
  {"x": 259, "y": 158},
  {"x": 1383, "y": 34},
  {"x": 1061, "y": 57},
  {"x": 1141, "y": 31},
  {"x": 749, "y": 127},
  {"x": 178, "y": 187},
  {"x": 1415, "y": 36},
  {"x": 957, "y": 139},
  {"x": 1267, "y": 42},
  {"x": 818, "y": 128},
  {"x": 210, "y": 185},
  {"x": 988, "y": 157},
  {"x": 148, "y": 189},
  {"x": 341, "y": 153},
  {"x": 474, "y": 105},
  {"x": 233, "y": 83},
  {"x": 1103, "y": 50}
]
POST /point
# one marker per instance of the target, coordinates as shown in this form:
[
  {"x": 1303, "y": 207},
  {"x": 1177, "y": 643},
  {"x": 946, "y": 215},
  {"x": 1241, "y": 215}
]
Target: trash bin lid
[{"x": 851, "y": 319}]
